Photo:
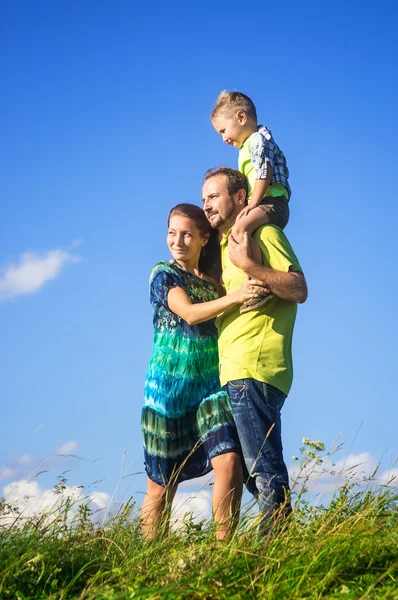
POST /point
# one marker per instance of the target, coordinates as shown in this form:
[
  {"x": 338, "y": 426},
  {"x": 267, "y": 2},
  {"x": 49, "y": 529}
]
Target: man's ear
[{"x": 241, "y": 197}]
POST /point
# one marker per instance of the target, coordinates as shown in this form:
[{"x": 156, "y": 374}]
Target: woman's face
[{"x": 184, "y": 239}]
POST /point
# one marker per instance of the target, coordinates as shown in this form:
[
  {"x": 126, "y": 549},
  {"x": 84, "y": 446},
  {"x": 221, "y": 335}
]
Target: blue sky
[{"x": 104, "y": 114}]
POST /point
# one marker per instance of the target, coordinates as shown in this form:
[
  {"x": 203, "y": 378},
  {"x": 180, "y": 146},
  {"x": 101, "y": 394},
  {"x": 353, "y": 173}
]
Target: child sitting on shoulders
[{"x": 234, "y": 117}]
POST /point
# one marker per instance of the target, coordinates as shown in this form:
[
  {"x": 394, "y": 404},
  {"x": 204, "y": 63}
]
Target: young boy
[{"x": 234, "y": 117}]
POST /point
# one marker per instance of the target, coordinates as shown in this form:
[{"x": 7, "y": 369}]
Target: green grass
[{"x": 347, "y": 550}]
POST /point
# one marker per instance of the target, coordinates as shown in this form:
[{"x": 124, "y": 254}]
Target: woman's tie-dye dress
[{"x": 187, "y": 418}]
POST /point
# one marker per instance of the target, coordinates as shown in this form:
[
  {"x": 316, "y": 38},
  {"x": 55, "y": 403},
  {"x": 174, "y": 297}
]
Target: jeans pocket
[
  {"x": 237, "y": 384},
  {"x": 273, "y": 398},
  {"x": 237, "y": 393}
]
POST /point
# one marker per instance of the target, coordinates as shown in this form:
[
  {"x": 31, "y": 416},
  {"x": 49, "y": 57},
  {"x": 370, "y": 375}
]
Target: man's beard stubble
[{"x": 219, "y": 220}]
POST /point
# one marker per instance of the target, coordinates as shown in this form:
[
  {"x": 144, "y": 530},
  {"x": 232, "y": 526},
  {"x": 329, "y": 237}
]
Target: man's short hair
[
  {"x": 235, "y": 179},
  {"x": 228, "y": 103}
]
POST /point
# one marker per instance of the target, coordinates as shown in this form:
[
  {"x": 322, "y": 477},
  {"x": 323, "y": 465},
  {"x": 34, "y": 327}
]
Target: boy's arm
[
  {"x": 288, "y": 285},
  {"x": 263, "y": 169},
  {"x": 259, "y": 190}
]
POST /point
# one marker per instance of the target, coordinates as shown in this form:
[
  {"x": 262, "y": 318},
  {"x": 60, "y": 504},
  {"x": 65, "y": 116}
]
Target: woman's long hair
[{"x": 210, "y": 255}]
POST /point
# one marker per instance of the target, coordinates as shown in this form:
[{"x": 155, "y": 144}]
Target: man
[{"x": 255, "y": 347}]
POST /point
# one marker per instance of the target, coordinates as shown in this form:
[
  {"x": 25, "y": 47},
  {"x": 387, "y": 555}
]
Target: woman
[{"x": 187, "y": 422}]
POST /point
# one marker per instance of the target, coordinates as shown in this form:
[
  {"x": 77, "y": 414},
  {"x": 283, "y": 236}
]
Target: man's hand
[
  {"x": 240, "y": 253},
  {"x": 288, "y": 285}
]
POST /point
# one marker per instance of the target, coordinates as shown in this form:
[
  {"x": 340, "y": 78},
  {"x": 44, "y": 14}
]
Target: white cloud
[
  {"x": 25, "y": 459},
  {"x": 100, "y": 499},
  {"x": 68, "y": 448},
  {"x": 196, "y": 502},
  {"x": 195, "y": 497},
  {"x": 328, "y": 476},
  {"x": 30, "y": 499},
  {"x": 32, "y": 271},
  {"x": 389, "y": 477}
]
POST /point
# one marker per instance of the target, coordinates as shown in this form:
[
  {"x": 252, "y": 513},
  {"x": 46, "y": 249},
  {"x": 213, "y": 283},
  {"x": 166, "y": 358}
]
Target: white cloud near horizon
[
  {"x": 32, "y": 271},
  {"x": 321, "y": 480},
  {"x": 389, "y": 477},
  {"x": 68, "y": 448},
  {"x": 30, "y": 499},
  {"x": 195, "y": 496},
  {"x": 327, "y": 477},
  {"x": 197, "y": 503}
]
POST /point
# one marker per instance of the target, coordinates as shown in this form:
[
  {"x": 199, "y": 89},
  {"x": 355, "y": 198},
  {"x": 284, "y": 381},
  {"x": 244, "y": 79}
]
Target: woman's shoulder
[{"x": 164, "y": 267}]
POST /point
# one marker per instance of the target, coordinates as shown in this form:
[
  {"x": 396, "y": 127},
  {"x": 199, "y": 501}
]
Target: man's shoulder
[
  {"x": 269, "y": 232},
  {"x": 276, "y": 247}
]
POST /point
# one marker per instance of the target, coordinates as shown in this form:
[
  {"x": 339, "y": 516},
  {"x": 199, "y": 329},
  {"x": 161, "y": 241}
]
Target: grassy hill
[{"x": 347, "y": 550}]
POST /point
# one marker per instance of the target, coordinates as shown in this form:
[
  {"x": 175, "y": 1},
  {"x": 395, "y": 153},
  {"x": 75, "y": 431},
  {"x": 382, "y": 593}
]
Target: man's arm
[{"x": 290, "y": 285}]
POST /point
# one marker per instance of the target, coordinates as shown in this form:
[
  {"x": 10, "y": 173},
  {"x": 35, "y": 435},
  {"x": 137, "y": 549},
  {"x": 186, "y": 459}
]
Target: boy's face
[{"x": 233, "y": 130}]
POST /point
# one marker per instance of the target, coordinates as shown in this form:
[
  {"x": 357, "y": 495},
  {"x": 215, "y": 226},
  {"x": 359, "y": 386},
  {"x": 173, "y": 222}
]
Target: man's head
[
  {"x": 234, "y": 117},
  {"x": 224, "y": 195}
]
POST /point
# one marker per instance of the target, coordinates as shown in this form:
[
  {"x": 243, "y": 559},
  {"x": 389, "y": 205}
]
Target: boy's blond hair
[{"x": 228, "y": 103}]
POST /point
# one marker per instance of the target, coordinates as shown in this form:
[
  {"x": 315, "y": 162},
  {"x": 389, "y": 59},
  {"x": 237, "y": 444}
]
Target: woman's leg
[
  {"x": 227, "y": 492},
  {"x": 155, "y": 511}
]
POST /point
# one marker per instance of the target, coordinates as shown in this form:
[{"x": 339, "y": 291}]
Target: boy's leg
[
  {"x": 277, "y": 211},
  {"x": 256, "y": 407},
  {"x": 255, "y": 219}
]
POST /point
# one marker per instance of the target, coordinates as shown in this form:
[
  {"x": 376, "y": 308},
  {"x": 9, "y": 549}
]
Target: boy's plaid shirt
[{"x": 264, "y": 148}]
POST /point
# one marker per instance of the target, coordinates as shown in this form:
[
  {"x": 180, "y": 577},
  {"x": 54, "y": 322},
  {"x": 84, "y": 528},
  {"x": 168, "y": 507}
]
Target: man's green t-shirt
[{"x": 258, "y": 344}]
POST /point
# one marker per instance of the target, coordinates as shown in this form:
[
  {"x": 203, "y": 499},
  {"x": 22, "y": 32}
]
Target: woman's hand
[{"x": 252, "y": 288}]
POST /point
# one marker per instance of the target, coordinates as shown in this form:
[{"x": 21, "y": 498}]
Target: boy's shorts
[{"x": 276, "y": 209}]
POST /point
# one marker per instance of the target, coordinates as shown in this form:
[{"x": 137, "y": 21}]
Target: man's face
[{"x": 220, "y": 208}]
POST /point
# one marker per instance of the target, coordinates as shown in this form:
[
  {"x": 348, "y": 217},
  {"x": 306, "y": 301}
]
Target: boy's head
[{"x": 234, "y": 117}]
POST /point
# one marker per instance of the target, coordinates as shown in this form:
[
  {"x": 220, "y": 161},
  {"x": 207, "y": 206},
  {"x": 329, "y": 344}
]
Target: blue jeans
[{"x": 257, "y": 411}]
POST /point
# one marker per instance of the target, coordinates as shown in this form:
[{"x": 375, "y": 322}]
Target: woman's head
[{"x": 189, "y": 234}]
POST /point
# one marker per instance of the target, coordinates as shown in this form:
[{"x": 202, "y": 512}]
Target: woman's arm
[{"x": 180, "y": 303}]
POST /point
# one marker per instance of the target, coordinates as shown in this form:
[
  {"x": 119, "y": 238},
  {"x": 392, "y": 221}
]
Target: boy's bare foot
[{"x": 255, "y": 303}]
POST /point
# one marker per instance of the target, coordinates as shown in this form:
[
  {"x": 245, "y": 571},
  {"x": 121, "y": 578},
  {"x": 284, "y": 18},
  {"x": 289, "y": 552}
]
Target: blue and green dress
[{"x": 187, "y": 418}]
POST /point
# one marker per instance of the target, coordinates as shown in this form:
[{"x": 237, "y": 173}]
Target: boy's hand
[{"x": 244, "y": 212}]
